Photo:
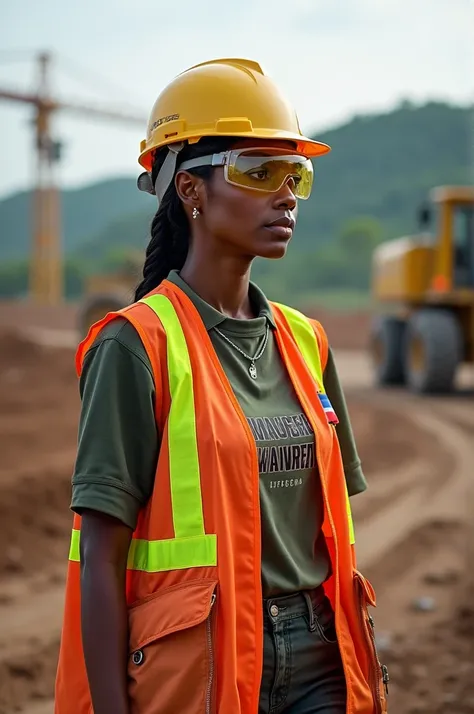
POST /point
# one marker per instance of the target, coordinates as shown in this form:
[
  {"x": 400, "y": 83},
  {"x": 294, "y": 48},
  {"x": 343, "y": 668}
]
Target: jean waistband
[{"x": 287, "y": 607}]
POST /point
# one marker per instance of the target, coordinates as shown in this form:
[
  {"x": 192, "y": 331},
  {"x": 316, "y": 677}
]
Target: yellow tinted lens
[{"x": 269, "y": 173}]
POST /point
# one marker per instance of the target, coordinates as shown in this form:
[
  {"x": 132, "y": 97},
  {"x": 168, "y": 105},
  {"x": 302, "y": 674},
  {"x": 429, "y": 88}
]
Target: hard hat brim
[{"x": 303, "y": 145}]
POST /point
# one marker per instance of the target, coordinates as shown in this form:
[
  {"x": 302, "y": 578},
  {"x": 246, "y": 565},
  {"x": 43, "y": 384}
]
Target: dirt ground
[{"x": 413, "y": 529}]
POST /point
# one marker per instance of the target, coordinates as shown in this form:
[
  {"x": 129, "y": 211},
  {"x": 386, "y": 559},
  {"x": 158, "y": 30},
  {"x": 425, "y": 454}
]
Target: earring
[{"x": 196, "y": 212}]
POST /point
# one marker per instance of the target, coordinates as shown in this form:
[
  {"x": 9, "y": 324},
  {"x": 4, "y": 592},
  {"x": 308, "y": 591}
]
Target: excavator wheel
[
  {"x": 433, "y": 350},
  {"x": 387, "y": 341}
]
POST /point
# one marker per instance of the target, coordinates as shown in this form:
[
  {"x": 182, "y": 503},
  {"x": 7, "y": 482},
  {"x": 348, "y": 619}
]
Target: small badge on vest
[{"x": 328, "y": 409}]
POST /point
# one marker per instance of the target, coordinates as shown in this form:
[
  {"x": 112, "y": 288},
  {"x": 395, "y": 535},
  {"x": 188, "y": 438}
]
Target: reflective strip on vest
[
  {"x": 185, "y": 478},
  {"x": 191, "y": 547},
  {"x": 305, "y": 338},
  {"x": 155, "y": 556}
]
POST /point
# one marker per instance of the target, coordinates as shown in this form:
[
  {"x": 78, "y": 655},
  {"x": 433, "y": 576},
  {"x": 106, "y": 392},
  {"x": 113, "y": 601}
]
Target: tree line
[{"x": 343, "y": 263}]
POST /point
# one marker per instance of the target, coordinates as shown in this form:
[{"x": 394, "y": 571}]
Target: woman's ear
[{"x": 189, "y": 189}]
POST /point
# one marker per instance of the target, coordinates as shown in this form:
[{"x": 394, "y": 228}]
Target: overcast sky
[{"x": 333, "y": 58}]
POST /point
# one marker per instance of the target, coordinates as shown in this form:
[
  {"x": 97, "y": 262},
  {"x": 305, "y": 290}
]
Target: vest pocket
[
  {"x": 171, "y": 665},
  {"x": 378, "y": 673}
]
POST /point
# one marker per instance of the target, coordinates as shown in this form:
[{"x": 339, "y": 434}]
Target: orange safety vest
[{"x": 194, "y": 568}]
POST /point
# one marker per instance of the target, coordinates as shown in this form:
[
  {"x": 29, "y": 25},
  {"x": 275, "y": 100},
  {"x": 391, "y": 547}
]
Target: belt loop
[{"x": 312, "y": 619}]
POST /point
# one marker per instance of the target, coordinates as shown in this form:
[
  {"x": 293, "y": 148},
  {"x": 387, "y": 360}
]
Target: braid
[
  {"x": 169, "y": 243},
  {"x": 168, "y": 247}
]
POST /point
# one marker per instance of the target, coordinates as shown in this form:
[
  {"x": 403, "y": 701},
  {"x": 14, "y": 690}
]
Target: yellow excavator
[
  {"x": 109, "y": 292},
  {"x": 423, "y": 286}
]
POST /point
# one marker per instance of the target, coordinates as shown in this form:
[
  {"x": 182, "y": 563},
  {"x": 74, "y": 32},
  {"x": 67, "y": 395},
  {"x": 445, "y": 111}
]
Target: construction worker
[{"x": 211, "y": 563}]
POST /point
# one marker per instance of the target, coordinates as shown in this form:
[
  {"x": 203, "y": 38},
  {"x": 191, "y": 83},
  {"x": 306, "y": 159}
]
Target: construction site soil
[{"x": 413, "y": 525}]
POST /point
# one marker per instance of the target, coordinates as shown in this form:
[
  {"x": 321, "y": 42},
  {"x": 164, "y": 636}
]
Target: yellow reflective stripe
[
  {"x": 305, "y": 338},
  {"x": 352, "y": 538},
  {"x": 155, "y": 556},
  {"x": 185, "y": 481},
  {"x": 74, "y": 552}
]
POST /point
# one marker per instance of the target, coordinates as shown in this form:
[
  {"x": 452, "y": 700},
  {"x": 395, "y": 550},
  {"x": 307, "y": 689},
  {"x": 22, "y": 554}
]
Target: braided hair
[{"x": 169, "y": 243}]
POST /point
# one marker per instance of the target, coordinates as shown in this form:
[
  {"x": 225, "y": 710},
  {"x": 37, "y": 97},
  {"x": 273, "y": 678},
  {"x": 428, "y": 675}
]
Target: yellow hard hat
[{"x": 223, "y": 97}]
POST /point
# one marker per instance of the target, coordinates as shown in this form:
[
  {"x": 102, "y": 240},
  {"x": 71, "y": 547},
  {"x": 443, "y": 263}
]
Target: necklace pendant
[{"x": 253, "y": 370}]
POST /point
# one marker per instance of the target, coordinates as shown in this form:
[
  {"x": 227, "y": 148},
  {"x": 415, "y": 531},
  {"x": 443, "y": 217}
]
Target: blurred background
[{"x": 383, "y": 255}]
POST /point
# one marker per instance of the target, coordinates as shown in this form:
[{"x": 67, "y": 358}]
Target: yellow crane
[{"x": 46, "y": 264}]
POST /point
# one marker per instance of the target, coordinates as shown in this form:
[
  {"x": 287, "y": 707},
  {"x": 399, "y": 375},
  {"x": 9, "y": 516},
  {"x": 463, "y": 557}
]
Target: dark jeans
[{"x": 302, "y": 667}]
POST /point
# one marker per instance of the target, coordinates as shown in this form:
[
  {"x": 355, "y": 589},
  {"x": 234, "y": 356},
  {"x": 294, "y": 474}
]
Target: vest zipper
[
  {"x": 377, "y": 671},
  {"x": 210, "y": 650},
  {"x": 383, "y": 667}
]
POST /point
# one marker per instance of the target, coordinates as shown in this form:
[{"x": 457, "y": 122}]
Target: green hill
[
  {"x": 85, "y": 212},
  {"x": 384, "y": 165}
]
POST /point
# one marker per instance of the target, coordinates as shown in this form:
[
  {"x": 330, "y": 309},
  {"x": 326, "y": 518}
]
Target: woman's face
[{"x": 245, "y": 222}]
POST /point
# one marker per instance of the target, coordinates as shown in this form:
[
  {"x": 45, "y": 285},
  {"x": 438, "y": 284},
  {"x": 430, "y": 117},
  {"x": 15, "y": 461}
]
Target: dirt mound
[
  {"x": 28, "y": 678},
  {"x": 38, "y": 398},
  {"x": 38, "y": 429},
  {"x": 16, "y": 351},
  {"x": 15, "y": 314},
  {"x": 385, "y": 440},
  {"x": 35, "y": 521},
  {"x": 435, "y": 674},
  {"x": 345, "y": 331},
  {"x": 38, "y": 426}
]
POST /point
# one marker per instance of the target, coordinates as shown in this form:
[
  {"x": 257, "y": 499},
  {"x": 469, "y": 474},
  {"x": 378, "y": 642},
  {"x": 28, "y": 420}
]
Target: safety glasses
[{"x": 259, "y": 169}]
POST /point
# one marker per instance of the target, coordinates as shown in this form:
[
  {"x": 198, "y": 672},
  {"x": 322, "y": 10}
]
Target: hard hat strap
[
  {"x": 167, "y": 171},
  {"x": 165, "y": 174}
]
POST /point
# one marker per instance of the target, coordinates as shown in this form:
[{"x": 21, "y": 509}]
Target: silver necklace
[{"x": 256, "y": 357}]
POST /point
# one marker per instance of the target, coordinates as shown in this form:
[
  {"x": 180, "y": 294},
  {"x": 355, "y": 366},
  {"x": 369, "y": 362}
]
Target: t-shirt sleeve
[
  {"x": 118, "y": 439},
  {"x": 355, "y": 478}
]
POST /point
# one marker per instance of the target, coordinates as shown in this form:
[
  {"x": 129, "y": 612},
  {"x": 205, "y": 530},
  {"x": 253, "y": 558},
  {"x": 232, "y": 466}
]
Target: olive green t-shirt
[{"x": 119, "y": 443}]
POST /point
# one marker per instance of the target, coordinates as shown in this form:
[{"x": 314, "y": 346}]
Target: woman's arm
[
  {"x": 113, "y": 479},
  {"x": 104, "y": 623}
]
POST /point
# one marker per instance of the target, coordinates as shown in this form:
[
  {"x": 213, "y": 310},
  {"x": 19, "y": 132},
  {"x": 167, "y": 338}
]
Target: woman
[{"x": 211, "y": 565}]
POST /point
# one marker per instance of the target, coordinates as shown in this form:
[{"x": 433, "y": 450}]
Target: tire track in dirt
[
  {"x": 417, "y": 547},
  {"x": 435, "y": 493},
  {"x": 420, "y": 545}
]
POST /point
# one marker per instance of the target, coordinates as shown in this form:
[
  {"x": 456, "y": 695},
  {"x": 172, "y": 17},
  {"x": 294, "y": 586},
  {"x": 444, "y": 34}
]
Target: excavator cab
[
  {"x": 423, "y": 286},
  {"x": 463, "y": 247}
]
